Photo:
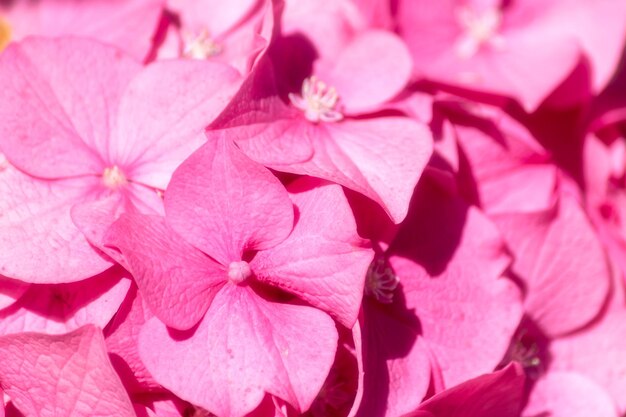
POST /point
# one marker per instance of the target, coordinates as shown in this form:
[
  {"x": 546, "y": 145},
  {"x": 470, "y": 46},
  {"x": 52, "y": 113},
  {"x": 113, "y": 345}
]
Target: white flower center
[
  {"x": 200, "y": 45},
  {"x": 318, "y": 101},
  {"x": 239, "y": 271},
  {"x": 113, "y": 177},
  {"x": 479, "y": 29},
  {"x": 381, "y": 282}
]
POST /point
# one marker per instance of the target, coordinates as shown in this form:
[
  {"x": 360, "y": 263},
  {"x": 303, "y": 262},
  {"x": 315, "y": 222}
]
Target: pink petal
[
  {"x": 562, "y": 264},
  {"x": 381, "y": 158},
  {"x": 224, "y": 203},
  {"x": 61, "y": 308},
  {"x": 38, "y": 241},
  {"x": 10, "y": 291},
  {"x": 600, "y": 28},
  {"x": 261, "y": 124},
  {"x": 163, "y": 114},
  {"x": 214, "y": 15},
  {"x": 512, "y": 172},
  {"x": 94, "y": 217},
  {"x": 280, "y": 349},
  {"x": 396, "y": 364},
  {"x": 46, "y": 127},
  {"x": 598, "y": 353},
  {"x": 177, "y": 281},
  {"x": 323, "y": 261},
  {"x": 450, "y": 260},
  {"x": 373, "y": 68},
  {"x": 122, "y": 338},
  {"x": 64, "y": 375},
  {"x": 433, "y": 35},
  {"x": 568, "y": 394},
  {"x": 496, "y": 394},
  {"x": 328, "y": 25},
  {"x": 126, "y": 24}
]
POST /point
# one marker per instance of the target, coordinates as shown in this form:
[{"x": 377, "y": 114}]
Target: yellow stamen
[{"x": 5, "y": 33}]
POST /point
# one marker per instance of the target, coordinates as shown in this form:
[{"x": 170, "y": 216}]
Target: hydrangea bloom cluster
[{"x": 316, "y": 208}]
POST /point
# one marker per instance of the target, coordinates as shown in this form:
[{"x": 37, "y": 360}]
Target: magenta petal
[
  {"x": 373, "y": 68},
  {"x": 496, "y": 394},
  {"x": 10, "y": 291},
  {"x": 64, "y": 375},
  {"x": 562, "y": 264},
  {"x": 46, "y": 126},
  {"x": 61, "y": 308},
  {"x": 177, "y": 280},
  {"x": 224, "y": 203},
  {"x": 244, "y": 347},
  {"x": 323, "y": 261},
  {"x": 568, "y": 394},
  {"x": 163, "y": 113},
  {"x": 38, "y": 241}
]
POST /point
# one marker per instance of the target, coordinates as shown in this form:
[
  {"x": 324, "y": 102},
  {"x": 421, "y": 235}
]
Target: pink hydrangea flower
[
  {"x": 315, "y": 131},
  {"x": 222, "y": 204},
  {"x": 75, "y": 165},
  {"x": 489, "y": 46}
]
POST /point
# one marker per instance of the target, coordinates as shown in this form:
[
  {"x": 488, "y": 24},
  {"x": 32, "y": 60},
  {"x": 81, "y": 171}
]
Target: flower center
[
  {"x": 113, "y": 177},
  {"x": 381, "y": 282},
  {"x": 239, "y": 271},
  {"x": 318, "y": 101},
  {"x": 200, "y": 45},
  {"x": 5, "y": 33},
  {"x": 479, "y": 29}
]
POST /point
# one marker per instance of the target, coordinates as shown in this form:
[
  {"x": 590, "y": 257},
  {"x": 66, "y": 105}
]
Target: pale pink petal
[
  {"x": 224, "y": 204},
  {"x": 598, "y": 352},
  {"x": 328, "y": 25},
  {"x": 373, "y": 68},
  {"x": 396, "y": 363},
  {"x": 381, "y": 158},
  {"x": 323, "y": 261},
  {"x": 122, "y": 337},
  {"x": 244, "y": 347},
  {"x": 63, "y": 375},
  {"x": 10, "y": 291},
  {"x": 177, "y": 281},
  {"x": 600, "y": 28},
  {"x": 126, "y": 24},
  {"x": 163, "y": 114},
  {"x": 38, "y": 241},
  {"x": 60, "y": 101},
  {"x": 568, "y": 394},
  {"x": 450, "y": 260},
  {"x": 496, "y": 394},
  {"x": 61, "y": 308},
  {"x": 562, "y": 264}
]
